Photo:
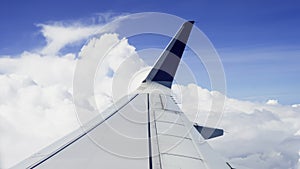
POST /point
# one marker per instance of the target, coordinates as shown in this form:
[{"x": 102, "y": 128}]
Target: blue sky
[{"x": 258, "y": 41}]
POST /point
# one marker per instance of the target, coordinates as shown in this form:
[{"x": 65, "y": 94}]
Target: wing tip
[
  {"x": 164, "y": 70},
  {"x": 192, "y": 22}
]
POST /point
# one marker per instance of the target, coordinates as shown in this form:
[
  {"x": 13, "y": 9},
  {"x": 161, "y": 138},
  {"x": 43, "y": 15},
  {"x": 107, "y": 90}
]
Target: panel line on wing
[
  {"x": 157, "y": 141},
  {"x": 149, "y": 133},
  {"x": 184, "y": 156},
  {"x": 171, "y": 135},
  {"x": 169, "y": 122}
]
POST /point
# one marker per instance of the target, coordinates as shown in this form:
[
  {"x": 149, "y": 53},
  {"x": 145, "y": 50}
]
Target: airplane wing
[{"x": 143, "y": 130}]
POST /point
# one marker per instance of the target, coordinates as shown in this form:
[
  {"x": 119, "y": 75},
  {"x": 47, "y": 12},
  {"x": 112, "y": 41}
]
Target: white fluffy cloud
[
  {"x": 272, "y": 102},
  {"x": 36, "y": 105},
  {"x": 58, "y": 36},
  {"x": 257, "y": 135}
]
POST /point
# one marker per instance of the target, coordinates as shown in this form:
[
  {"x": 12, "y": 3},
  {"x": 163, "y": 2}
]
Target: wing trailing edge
[{"x": 165, "y": 67}]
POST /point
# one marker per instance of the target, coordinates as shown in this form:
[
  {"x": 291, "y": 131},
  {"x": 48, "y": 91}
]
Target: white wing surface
[{"x": 143, "y": 130}]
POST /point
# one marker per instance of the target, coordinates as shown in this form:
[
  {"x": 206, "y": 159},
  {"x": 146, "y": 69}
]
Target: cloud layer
[
  {"x": 36, "y": 105},
  {"x": 257, "y": 135}
]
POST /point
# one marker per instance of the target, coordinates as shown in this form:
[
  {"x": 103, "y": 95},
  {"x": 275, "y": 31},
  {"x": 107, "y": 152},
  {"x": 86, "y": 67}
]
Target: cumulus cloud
[
  {"x": 272, "y": 102},
  {"x": 61, "y": 34},
  {"x": 36, "y": 106},
  {"x": 296, "y": 105},
  {"x": 58, "y": 36},
  {"x": 257, "y": 135},
  {"x": 32, "y": 115}
]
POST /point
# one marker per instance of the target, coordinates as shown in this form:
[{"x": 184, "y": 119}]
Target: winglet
[{"x": 165, "y": 67}]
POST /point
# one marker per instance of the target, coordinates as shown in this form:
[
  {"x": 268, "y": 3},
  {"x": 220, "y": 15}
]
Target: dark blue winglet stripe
[
  {"x": 166, "y": 66},
  {"x": 162, "y": 76},
  {"x": 177, "y": 47}
]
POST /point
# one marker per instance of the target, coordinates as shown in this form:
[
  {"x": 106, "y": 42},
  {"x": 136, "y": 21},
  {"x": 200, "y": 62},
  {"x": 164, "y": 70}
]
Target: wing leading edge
[{"x": 144, "y": 130}]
